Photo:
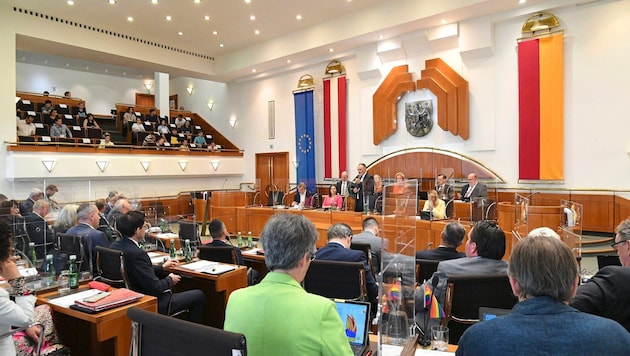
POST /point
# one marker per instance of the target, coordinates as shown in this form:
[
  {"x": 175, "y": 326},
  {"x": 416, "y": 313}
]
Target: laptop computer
[
  {"x": 355, "y": 317},
  {"x": 486, "y": 313},
  {"x": 426, "y": 215}
]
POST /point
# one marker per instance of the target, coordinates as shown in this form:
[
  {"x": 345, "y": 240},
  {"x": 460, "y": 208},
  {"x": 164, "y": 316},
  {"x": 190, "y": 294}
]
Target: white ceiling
[{"x": 355, "y": 23}]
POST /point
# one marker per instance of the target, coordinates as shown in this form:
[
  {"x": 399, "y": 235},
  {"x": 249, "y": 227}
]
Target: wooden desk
[
  {"x": 166, "y": 240},
  {"x": 104, "y": 333},
  {"x": 256, "y": 262},
  {"x": 217, "y": 290},
  {"x": 374, "y": 346}
]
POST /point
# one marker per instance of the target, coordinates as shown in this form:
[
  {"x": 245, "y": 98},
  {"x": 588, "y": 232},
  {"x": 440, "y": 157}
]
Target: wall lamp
[
  {"x": 210, "y": 104},
  {"x": 148, "y": 87},
  {"x": 190, "y": 90},
  {"x": 232, "y": 121},
  {"x": 335, "y": 68},
  {"x": 305, "y": 81}
]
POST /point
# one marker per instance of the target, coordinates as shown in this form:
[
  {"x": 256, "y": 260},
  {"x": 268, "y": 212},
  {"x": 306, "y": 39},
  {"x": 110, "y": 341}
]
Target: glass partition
[
  {"x": 572, "y": 217},
  {"x": 521, "y": 229},
  {"x": 396, "y": 293}
]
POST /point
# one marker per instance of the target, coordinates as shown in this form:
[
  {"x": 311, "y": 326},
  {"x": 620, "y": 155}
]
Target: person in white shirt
[{"x": 25, "y": 127}]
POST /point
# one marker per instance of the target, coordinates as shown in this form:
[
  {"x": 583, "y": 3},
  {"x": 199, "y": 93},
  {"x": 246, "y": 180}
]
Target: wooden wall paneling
[
  {"x": 548, "y": 216},
  {"x": 224, "y": 204},
  {"x": 443, "y": 163},
  {"x": 548, "y": 199},
  {"x": 471, "y": 167},
  {"x": 242, "y": 221},
  {"x": 385, "y": 99},
  {"x": 145, "y": 99},
  {"x": 622, "y": 210},
  {"x": 257, "y": 218},
  {"x": 506, "y": 215},
  {"x": 598, "y": 212},
  {"x": 451, "y": 96}
]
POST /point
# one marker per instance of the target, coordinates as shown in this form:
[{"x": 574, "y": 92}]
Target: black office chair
[
  {"x": 110, "y": 267},
  {"x": 466, "y": 294},
  {"x": 336, "y": 279},
  {"x": 67, "y": 245},
  {"x": 603, "y": 261},
  {"x": 367, "y": 251},
  {"x": 225, "y": 254},
  {"x": 425, "y": 269},
  {"x": 189, "y": 230},
  {"x": 149, "y": 330}
]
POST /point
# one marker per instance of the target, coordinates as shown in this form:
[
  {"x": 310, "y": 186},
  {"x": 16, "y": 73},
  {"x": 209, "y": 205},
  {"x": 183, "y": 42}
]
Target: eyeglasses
[
  {"x": 350, "y": 236},
  {"x": 615, "y": 244},
  {"x": 311, "y": 256}
]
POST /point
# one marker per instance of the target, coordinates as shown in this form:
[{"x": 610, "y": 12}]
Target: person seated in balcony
[
  {"x": 435, "y": 205},
  {"x": 213, "y": 147},
  {"x": 174, "y": 137},
  {"x": 148, "y": 140},
  {"x": 106, "y": 141},
  {"x": 67, "y": 94},
  {"x": 160, "y": 143},
  {"x": 50, "y": 119},
  {"x": 162, "y": 129},
  {"x": 137, "y": 127},
  {"x": 25, "y": 127},
  {"x": 332, "y": 200},
  {"x": 180, "y": 121},
  {"x": 59, "y": 129},
  {"x": 153, "y": 117},
  {"x": 81, "y": 112},
  {"x": 184, "y": 147},
  {"x": 200, "y": 140},
  {"x": 90, "y": 122},
  {"x": 47, "y": 108},
  {"x": 187, "y": 130},
  {"x": 129, "y": 118}
]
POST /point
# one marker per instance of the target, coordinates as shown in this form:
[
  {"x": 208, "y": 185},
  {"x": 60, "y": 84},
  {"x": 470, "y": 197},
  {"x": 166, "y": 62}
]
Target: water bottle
[
  {"x": 73, "y": 273},
  {"x": 163, "y": 225},
  {"x": 187, "y": 251},
  {"x": 239, "y": 240},
  {"x": 31, "y": 254},
  {"x": 250, "y": 240},
  {"x": 171, "y": 251},
  {"x": 49, "y": 271}
]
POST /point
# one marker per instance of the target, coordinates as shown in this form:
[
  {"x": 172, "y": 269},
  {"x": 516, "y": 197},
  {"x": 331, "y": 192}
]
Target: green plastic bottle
[
  {"x": 32, "y": 256},
  {"x": 187, "y": 251},
  {"x": 250, "y": 240},
  {"x": 239, "y": 240},
  {"x": 171, "y": 250},
  {"x": 73, "y": 273}
]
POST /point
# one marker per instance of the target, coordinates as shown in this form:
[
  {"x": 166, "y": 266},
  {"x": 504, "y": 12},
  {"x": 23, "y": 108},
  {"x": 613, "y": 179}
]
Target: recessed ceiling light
[
  {"x": 215, "y": 33},
  {"x": 106, "y": 70},
  {"x": 197, "y": 1},
  {"x": 443, "y": 21},
  {"x": 380, "y": 37},
  {"x": 221, "y": 45},
  {"x": 254, "y": 70},
  {"x": 45, "y": 61},
  {"x": 124, "y": 73},
  {"x": 207, "y": 18},
  {"x": 257, "y": 32},
  {"x": 112, "y": 2},
  {"x": 129, "y": 18},
  {"x": 288, "y": 61},
  {"x": 522, "y": 1},
  {"x": 252, "y": 17},
  {"x": 298, "y": 17},
  {"x": 168, "y": 18},
  {"x": 70, "y": 2},
  {"x": 154, "y": 1},
  {"x": 248, "y": 1},
  {"x": 180, "y": 33},
  {"x": 331, "y": 50},
  {"x": 87, "y": 67}
]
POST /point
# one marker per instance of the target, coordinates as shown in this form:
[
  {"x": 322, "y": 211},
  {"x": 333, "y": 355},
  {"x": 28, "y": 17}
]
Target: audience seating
[
  {"x": 155, "y": 334},
  {"x": 110, "y": 267},
  {"x": 464, "y": 296},
  {"x": 336, "y": 279}
]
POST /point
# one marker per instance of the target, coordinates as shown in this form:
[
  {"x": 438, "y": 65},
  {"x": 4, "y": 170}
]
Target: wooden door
[{"x": 272, "y": 170}]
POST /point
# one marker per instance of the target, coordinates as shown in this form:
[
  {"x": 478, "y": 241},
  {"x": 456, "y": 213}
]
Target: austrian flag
[{"x": 335, "y": 129}]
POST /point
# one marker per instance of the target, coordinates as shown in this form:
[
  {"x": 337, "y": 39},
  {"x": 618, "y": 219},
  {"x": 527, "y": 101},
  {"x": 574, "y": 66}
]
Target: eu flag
[{"x": 305, "y": 138}]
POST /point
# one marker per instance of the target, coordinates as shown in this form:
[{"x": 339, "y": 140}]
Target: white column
[{"x": 162, "y": 92}]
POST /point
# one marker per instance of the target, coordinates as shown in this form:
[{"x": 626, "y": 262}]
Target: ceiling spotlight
[
  {"x": 288, "y": 61},
  {"x": 298, "y": 17},
  {"x": 221, "y": 45},
  {"x": 168, "y": 18},
  {"x": 257, "y": 32},
  {"x": 380, "y": 37},
  {"x": 443, "y": 21},
  {"x": 252, "y": 17},
  {"x": 207, "y": 18},
  {"x": 70, "y": 2},
  {"x": 154, "y": 1},
  {"x": 112, "y": 2},
  {"x": 248, "y": 1},
  {"x": 197, "y": 1},
  {"x": 522, "y": 1},
  {"x": 129, "y": 18},
  {"x": 331, "y": 50},
  {"x": 215, "y": 33},
  {"x": 254, "y": 70},
  {"x": 180, "y": 33}
]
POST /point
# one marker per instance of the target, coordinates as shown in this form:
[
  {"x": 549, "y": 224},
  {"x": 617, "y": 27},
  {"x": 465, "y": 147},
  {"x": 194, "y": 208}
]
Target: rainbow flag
[
  {"x": 436, "y": 311},
  {"x": 427, "y": 295},
  {"x": 541, "y": 108}
]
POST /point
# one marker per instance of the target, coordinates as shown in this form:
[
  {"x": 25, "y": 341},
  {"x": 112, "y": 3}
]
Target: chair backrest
[
  {"x": 466, "y": 294},
  {"x": 336, "y": 279},
  {"x": 425, "y": 269},
  {"x": 225, "y": 254},
  {"x": 603, "y": 261},
  {"x": 189, "y": 338},
  {"x": 110, "y": 267},
  {"x": 189, "y": 230},
  {"x": 367, "y": 251},
  {"x": 276, "y": 197},
  {"x": 66, "y": 245}
]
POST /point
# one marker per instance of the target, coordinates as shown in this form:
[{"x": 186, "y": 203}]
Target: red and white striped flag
[{"x": 335, "y": 130}]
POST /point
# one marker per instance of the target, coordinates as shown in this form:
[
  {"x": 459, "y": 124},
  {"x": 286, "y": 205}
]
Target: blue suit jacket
[
  {"x": 336, "y": 252},
  {"x": 543, "y": 325},
  {"x": 90, "y": 235}
]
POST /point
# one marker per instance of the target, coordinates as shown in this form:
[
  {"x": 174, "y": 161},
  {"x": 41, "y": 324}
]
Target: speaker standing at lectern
[{"x": 473, "y": 189}]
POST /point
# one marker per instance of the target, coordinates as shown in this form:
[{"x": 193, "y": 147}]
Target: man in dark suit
[
  {"x": 607, "y": 294},
  {"x": 474, "y": 189},
  {"x": 26, "y": 207},
  {"x": 363, "y": 185},
  {"x": 88, "y": 219},
  {"x": 219, "y": 233},
  {"x": 338, "y": 249},
  {"x": 38, "y": 230},
  {"x": 148, "y": 279},
  {"x": 451, "y": 237},
  {"x": 302, "y": 199},
  {"x": 343, "y": 186},
  {"x": 444, "y": 190}
]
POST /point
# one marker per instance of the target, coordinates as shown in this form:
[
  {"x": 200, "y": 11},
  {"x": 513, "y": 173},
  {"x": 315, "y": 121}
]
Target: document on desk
[
  {"x": 167, "y": 235},
  {"x": 67, "y": 300},
  {"x": 209, "y": 267}
]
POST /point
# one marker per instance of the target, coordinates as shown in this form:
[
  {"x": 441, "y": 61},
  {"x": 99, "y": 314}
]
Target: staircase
[{"x": 108, "y": 124}]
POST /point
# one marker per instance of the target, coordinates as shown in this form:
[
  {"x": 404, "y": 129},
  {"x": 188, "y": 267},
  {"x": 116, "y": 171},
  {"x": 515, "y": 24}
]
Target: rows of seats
[{"x": 77, "y": 131}]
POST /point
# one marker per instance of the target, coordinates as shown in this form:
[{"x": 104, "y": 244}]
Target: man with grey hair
[
  {"x": 451, "y": 237},
  {"x": 277, "y": 316},
  {"x": 607, "y": 294},
  {"x": 544, "y": 276},
  {"x": 38, "y": 229},
  {"x": 121, "y": 208},
  {"x": 338, "y": 249},
  {"x": 111, "y": 199},
  {"x": 88, "y": 219},
  {"x": 26, "y": 207}
]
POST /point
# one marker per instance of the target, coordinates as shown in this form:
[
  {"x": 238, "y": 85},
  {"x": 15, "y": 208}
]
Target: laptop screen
[
  {"x": 486, "y": 313},
  {"x": 355, "y": 317}
]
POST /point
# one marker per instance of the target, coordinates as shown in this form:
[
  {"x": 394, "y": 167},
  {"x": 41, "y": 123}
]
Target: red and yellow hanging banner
[{"x": 541, "y": 108}]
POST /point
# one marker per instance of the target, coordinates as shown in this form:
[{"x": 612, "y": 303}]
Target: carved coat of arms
[{"x": 419, "y": 117}]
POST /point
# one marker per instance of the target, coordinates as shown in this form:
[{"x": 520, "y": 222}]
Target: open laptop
[
  {"x": 355, "y": 317},
  {"x": 486, "y": 313},
  {"x": 426, "y": 215}
]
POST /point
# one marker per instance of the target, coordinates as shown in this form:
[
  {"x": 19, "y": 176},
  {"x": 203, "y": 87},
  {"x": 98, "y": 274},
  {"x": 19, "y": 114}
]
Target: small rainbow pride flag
[{"x": 436, "y": 311}]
